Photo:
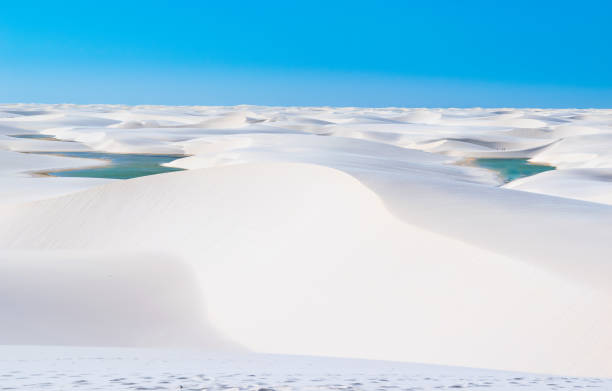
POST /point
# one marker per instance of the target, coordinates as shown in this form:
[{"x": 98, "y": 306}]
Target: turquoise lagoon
[{"x": 512, "y": 169}]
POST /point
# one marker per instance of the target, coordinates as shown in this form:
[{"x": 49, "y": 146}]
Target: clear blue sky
[{"x": 362, "y": 53}]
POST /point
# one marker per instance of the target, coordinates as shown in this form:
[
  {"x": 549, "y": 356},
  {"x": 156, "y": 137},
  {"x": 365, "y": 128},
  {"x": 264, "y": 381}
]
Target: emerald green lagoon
[
  {"x": 122, "y": 166},
  {"x": 511, "y": 169}
]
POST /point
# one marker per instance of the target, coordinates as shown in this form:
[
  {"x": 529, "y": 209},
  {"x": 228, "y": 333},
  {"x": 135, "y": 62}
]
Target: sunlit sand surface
[{"x": 312, "y": 231}]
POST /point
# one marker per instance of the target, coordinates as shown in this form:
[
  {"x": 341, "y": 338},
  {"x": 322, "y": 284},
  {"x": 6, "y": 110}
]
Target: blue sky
[{"x": 343, "y": 53}]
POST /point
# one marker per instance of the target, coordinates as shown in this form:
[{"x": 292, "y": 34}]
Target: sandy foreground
[
  {"x": 343, "y": 232},
  {"x": 78, "y": 368}
]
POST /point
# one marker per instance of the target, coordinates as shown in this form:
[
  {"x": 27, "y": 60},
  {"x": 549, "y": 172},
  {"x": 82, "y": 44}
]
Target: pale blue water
[
  {"x": 512, "y": 169},
  {"x": 122, "y": 166}
]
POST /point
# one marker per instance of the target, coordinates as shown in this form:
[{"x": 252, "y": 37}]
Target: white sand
[
  {"x": 67, "y": 368},
  {"x": 321, "y": 231}
]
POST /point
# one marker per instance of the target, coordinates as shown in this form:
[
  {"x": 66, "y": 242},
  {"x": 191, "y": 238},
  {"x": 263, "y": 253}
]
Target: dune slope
[{"x": 304, "y": 259}]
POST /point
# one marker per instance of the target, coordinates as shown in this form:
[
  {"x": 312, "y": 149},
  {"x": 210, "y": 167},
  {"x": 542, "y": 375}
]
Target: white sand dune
[
  {"x": 325, "y": 260},
  {"x": 352, "y": 243},
  {"x": 587, "y": 184},
  {"x": 102, "y": 299}
]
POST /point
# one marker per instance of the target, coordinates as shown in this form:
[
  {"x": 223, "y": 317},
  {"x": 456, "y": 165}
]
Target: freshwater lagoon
[
  {"x": 121, "y": 165},
  {"x": 512, "y": 169}
]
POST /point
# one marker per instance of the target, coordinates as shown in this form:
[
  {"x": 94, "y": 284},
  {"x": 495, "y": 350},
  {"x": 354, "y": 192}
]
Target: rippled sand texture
[
  {"x": 44, "y": 368},
  {"x": 345, "y": 232}
]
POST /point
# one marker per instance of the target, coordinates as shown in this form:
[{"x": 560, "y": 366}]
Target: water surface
[
  {"x": 512, "y": 169},
  {"x": 122, "y": 166}
]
